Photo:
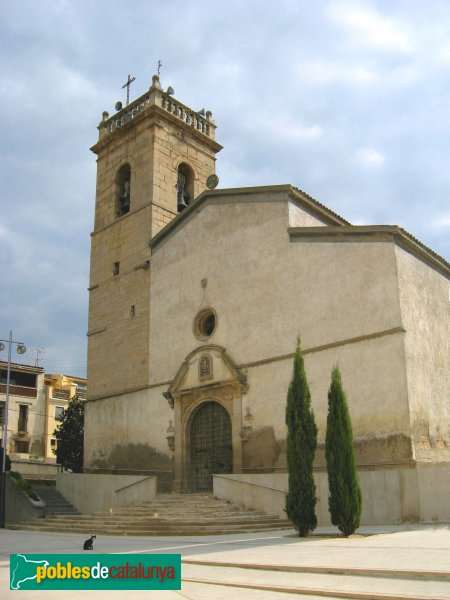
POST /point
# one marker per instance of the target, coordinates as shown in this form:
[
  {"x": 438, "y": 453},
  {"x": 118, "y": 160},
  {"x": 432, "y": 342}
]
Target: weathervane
[
  {"x": 159, "y": 67},
  {"x": 127, "y": 85}
]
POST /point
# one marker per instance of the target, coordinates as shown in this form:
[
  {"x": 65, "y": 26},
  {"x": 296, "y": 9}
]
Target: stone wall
[
  {"x": 424, "y": 296},
  {"x": 90, "y": 492},
  {"x": 390, "y": 496}
]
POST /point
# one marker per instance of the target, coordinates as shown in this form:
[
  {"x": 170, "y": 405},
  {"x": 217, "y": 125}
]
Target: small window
[
  {"x": 53, "y": 442},
  {"x": 2, "y": 412},
  {"x": 22, "y": 447},
  {"x": 123, "y": 190},
  {"x": 116, "y": 268},
  {"x": 59, "y": 413},
  {"x": 185, "y": 186},
  {"x": 23, "y": 418}
]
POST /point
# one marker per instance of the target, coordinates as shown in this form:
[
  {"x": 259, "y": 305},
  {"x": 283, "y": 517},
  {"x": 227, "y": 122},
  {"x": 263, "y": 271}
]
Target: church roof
[
  {"x": 365, "y": 232},
  {"x": 254, "y": 194},
  {"x": 335, "y": 226}
]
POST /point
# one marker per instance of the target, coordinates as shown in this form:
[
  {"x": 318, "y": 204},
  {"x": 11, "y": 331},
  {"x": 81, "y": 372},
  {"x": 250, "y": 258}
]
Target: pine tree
[
  {"x": 345, "y": 501},
  {"x": 301, "y": 444},
  {"x": 70, "y": 437}
]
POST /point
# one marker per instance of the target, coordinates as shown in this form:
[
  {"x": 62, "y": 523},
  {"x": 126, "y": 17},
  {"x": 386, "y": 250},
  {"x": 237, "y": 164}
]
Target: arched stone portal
[
  {"x": 207, "y": 429},
  {"x": 211, "y": 449}
]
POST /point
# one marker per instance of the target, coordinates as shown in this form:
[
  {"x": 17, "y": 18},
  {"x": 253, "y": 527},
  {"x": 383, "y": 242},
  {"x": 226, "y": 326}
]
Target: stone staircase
[
  {"x": 55, "y": 503},
  {"x": 165, "y": 515}
]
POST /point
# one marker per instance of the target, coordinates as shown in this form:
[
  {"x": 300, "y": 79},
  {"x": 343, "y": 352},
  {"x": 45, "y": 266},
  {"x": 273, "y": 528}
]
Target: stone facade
[
  {"x": 151, "y": 137},
  {"x": 229, "y": 284}
]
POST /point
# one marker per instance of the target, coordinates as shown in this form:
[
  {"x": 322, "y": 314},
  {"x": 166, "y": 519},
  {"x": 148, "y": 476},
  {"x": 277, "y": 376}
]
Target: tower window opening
[
  {"x": 123, "y": 190},
  {"x": 185, "y": 186}
]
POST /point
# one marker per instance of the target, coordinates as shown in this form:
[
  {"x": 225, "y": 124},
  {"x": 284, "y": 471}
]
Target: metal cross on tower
[
  {"x": 127, "y": 85},
  {"x": 159, "y": 67}
]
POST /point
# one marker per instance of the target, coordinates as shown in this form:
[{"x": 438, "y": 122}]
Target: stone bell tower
[{"x": 154, "y": 157}]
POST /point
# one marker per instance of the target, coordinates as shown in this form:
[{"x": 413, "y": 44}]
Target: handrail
[
  {"x": 131, "y": 484},
  {"x": 268, "y": 487},
  {"x": 128, "y": 471}
]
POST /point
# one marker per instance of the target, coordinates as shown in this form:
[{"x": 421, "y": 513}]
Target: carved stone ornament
[
  {"x": 205, "y": 367},
  {"x": 169, "y": 398},
  {"x": 170, "y": 437},
  {"x": 245, "y": 432}
]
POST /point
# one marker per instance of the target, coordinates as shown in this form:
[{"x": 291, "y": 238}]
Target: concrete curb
[{"x": 304, "y": 591}]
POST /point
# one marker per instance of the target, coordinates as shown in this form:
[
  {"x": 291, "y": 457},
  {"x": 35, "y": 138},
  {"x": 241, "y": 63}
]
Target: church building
[{"x": 198, "y": 294}]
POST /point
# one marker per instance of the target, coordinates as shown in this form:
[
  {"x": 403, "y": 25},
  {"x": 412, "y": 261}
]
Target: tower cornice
[{"x": 157, "y": 104}]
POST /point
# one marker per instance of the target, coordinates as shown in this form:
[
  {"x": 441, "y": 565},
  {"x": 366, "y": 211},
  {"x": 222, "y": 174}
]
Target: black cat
[{"x": 89, "y": 544}]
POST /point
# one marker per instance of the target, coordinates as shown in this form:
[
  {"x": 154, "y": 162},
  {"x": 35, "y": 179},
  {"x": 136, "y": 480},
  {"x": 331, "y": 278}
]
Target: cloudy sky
[{"x": 347, "y": 100}]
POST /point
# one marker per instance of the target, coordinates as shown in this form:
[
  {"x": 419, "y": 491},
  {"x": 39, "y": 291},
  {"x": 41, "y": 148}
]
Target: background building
[
  {"x": 59, "y": 390},
  {"x": 36, "y": 404},
  {"x": 26, "y": 414}
]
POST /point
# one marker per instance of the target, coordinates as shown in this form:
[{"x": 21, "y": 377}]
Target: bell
[
  {"x": 181, "y": 204},
  {"x": 183, "y": 201}
]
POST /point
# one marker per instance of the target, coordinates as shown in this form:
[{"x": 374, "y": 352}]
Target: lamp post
[{"x": 20, "y": 350}]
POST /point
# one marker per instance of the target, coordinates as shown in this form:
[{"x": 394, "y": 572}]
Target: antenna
[{"x": 37, "y": 352}]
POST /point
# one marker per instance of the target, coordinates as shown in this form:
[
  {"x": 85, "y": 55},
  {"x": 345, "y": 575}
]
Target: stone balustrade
[
  {"x": 125, "y": 115},
  {"x": 187, "y": 115},
  {"x": 194, "y": 119}
]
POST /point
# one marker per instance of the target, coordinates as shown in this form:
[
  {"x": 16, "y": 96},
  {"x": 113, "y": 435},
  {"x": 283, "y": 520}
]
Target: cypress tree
[
  {"x": 345, "y": 501},
  {"x": 301, "y": 444}
]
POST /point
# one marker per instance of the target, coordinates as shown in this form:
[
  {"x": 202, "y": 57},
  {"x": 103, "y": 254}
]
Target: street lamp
[{"x": 20, "y": 350}]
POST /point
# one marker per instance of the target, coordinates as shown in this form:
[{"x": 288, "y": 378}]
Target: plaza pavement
[{"x": 387, "y": 563}]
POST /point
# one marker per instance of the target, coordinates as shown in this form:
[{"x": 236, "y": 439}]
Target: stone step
[
  {"x": 176, "y": 531},
  {"x": 55, "y": 503},
  {"x": 197, "y": 514},
  {"x": 178, "y": 514},
  {"x": 163, "y": 518},
  {"x": 57, "y": 520}
]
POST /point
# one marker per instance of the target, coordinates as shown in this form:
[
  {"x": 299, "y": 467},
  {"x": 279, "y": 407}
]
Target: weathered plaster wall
[
  {"x": 298, "y": 217},
  {"x": 425, "y": 304},
  {"x": 128, "y": 432},
  {"x": 341, "y": 296},
  {"x": 377, "y": 404}
]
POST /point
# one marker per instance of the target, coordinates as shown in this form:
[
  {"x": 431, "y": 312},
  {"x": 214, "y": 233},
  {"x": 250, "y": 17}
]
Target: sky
[{"x": 347, "y": 100}]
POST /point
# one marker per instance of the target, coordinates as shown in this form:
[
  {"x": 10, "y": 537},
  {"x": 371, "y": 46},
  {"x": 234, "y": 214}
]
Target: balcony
[
  {"x": 19, "y": 390},
  {"x": 60, "y": 394}
]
